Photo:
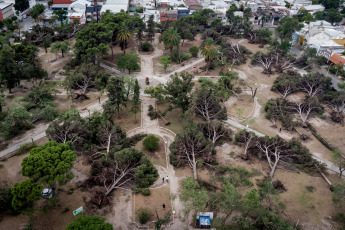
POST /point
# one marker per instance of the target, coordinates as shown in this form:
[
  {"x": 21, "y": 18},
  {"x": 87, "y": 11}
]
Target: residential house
[
  {"x": 313, "y": 8},
  {"x": 193, "y": 4}
]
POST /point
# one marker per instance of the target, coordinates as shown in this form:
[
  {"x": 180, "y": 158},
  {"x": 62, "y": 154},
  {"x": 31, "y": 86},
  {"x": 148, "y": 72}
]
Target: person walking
[
  {"x": 163, "y": 180},
  {"x": 167, "y": 179},
  {"x": 163, "y": 206}
]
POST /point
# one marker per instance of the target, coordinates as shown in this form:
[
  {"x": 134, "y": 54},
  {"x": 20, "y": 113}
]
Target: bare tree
[
  {"x": 189, "y": 147},
  {"x": 248, "y": 139},
  {"x": 283, "y": 62},
  {"x": 274, "y": 150},
  {"x": 314, "y": 83},
  {"x": 208, "y": 105},
  {"x": 215, "y": 131},
  {"x": 286, "y": 84},
  {"x": 306, "y": 108},
  {"x": 265, "y": 60},
  {"x": 336, "y": 101}
]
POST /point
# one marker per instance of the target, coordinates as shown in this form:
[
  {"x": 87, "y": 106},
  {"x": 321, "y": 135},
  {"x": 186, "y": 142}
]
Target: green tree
[
  {"x": 145, "y": 174},
  {"x": 25, "y": 194},
  {"x": 61, "y": 15},
  {"x": 84, "y": 222},
  {"x": 195, "y": 197},
  {"x": 136, "y": 102},
  {"x": 37, "y": 10},
  {"x": 11, "y": 72},
  {"x": 171, "y": 38},
  {"x": 151, "y": 142},
  {"x": 287, "y": 26},
  {"x": 203, "y": 17},
  {"x": 92, "y": 42},
  {"x": 117, "y": 94},
  {"x": 50, "y": 163},
  {"x": 210, "y": 51},
  {"x": 16, "y": 122},
  {"x": 151, "y": 28},
  {"x": 129, "y": 61},
  {"x": 60, "y": 46},
  {"x": 21, "y": 5},
  {"x": 339, "y": 160},
  {"x": 46, "y": 44},
  {"x": 155, "y": 92},
  {"x": 194, "y": 51},
  {"x": 6, "y": 198},
  {"x": 123, "y": 36},
  {"x": 165, "y": 62},
  {"x": 178, "y": 90}
]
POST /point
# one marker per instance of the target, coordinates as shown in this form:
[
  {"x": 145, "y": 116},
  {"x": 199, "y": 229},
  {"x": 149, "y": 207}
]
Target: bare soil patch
[
  {"x": 312, "y": 209},
  {"x": 127, "y": 118},
  {"x": 153, "y": 202},
  {"x": 157, "y": 157},
  {"x": 241, "y": 108}
]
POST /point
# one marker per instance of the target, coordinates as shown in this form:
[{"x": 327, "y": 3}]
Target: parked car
[
  {"x": 30, "y": 28},
  {"x": 25, "y": 17},
  {"x": 47, "y": 193}
]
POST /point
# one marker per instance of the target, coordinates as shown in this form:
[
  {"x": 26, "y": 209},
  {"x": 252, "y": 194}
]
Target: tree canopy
[
  {"x": 49, "y": 163},
  {"x": 89, "y": 223}
]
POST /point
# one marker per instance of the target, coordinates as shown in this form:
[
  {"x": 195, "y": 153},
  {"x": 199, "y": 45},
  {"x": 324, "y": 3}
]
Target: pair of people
[{"x": 166, "y": 179}]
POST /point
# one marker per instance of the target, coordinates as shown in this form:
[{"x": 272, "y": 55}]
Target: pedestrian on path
[
  {"x": 163, "y": 180},
  {"x": 167, "y": 179},
  {"x": 163, "y": 206}
]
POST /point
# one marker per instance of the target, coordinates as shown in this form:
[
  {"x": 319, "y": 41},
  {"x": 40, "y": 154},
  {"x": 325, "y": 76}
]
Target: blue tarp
[{"x": 204, "y": 221}]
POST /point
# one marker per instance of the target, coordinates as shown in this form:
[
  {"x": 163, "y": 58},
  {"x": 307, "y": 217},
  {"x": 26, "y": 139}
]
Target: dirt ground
[
  {"x": 127, "y": 119},
  {"x": 156, "y": 157},
  {"x": 156, "y": 200}
]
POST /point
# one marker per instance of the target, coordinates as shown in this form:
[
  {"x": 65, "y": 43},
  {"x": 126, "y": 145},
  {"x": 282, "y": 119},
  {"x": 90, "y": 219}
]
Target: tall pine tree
[
  {"x": 136, "y": 99},
  {"x": 117, "y": 94},
  {"x": 150, "y": 29}
]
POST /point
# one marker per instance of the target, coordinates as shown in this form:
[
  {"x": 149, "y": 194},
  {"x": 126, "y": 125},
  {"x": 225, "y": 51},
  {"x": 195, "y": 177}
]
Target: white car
[
  {"x": 25, "y": 17},
  {"x": 30, "y": 28},
  {"x": 47, "y": 193}
]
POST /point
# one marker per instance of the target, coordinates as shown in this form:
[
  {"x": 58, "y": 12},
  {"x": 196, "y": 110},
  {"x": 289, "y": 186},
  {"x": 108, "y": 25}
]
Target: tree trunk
[
  {"x": 62, "y": 53},
  {"x": 194, "y": 168},
  {"x": 46, "y": 49},
  {"x": 9, "y": 90}
]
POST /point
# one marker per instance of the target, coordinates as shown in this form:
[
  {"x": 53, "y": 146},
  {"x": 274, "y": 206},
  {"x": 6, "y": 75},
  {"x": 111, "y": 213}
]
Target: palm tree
[
  {"x": 171, "y": 38},
  {"x": 210, "y": 51},
  {"x": 123, "y": 36}
]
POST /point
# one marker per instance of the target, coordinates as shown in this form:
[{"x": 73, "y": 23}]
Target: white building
[{"x": 115, "y": 6}]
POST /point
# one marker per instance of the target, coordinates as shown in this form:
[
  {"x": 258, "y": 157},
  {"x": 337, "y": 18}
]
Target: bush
[
  {"x": 151, "y": 142},
  {"x": 146, "y": 47},
  {"x": 194, "y": 51},
  {"x": 6, "y": 200},
  {"x": 144, "y": 215},
  {"x": 142, "y": 191},
  {"x": 187, "y": 57}
]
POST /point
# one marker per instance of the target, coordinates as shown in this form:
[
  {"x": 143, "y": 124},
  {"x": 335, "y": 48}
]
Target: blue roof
[{"x": 204, "y": 221}]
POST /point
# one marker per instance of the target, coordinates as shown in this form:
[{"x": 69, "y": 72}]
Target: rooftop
[{"x": 3, "y": 6}]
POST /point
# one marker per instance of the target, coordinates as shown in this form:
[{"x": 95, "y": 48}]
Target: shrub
[
  {"x": 151, "y": 142},
  {"x": 145, "y": 192},
  {"x": 146, "y": 47},
  {"x": 187, "y": 57},
  {"x": 194, "y": 51},
  {"x": 144, "y": 215},
  {"x": 6, "y": 200},
  {"x": 310, "y": 188}
]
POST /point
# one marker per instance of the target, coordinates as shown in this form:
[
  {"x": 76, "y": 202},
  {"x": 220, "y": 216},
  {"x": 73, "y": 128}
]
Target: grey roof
[{"x": 91, "y": 9}]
